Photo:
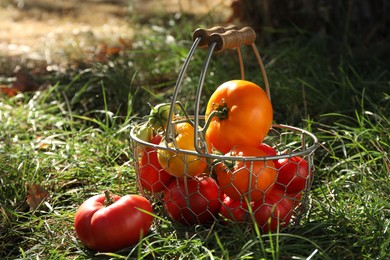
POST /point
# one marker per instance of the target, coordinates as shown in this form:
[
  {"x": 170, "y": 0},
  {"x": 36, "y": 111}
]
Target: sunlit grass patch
[{"x": 70, "y": 142}]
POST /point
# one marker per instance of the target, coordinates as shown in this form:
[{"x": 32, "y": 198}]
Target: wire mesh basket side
[{"x": 290, "y": 143}]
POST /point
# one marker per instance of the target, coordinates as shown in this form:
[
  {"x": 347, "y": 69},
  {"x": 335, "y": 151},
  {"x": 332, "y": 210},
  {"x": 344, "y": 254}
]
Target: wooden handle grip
[
  {"x": 204, "y": 34},
  {"x": 233, "y": 38}
]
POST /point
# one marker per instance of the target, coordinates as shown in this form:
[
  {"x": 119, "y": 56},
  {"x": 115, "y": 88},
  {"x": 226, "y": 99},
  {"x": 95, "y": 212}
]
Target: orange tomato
[
  {"x": 241, "y": 115},
  {"x": 250, "y": 179}
]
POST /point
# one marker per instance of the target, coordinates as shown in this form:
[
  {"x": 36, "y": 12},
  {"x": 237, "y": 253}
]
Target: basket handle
[
  {"x": 218, "y": 42},
  {"x": 204, "y": 34},
  {"x": 217, "y": 39},
  {"x": 232, "y": 39}
]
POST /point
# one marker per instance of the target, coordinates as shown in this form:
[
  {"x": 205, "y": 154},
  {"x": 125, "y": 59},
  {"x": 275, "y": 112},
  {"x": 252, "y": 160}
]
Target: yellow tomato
[{"x": 178, "y": 163}]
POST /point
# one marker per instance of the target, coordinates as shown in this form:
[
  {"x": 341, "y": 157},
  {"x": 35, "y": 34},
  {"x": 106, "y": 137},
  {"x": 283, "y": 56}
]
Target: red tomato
[
  {"x": 272, "y": 213},
  {"x": 250, "y": 179},
  {"x": 295, "y": 198},
  {"x": 235, "y": 210},
  {"x": 114, "y": 227},
  {"x": 269, "y": 150},
  {"x": 242, "y": 115},
  {"x": 150, "y": 174},
  {"x": 193, "y": 200},
  {"x": 293, "y": 174}
]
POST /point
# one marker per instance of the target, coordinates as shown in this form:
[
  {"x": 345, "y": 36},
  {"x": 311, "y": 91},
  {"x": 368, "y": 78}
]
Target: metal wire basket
[{"x": 294, "y": 148}]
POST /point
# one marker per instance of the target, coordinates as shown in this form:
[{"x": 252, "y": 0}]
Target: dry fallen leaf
[
  {"x": 44, "y": 143},
  {"x": 9, "y": 91},
  {"x": 41, "y": 143},
  {"x": 104, "y": 51},
  {"x": 24, "y": 81},
  {"x": 127, "y": 44},
  {"x": 35, "y": 195}
]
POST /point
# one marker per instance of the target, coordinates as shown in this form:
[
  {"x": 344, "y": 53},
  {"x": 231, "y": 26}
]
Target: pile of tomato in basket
[{"x": 225, "y": 170}]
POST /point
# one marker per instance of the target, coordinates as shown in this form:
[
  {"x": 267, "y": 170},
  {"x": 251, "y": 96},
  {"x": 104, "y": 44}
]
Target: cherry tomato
[
  {"x": 250, "y": 179},
  {"x": 113, "y": 227},
  {"x": 272, "y": 213},
  {"x": 150, "y": 174},
  {"x": 192, "y": 200},
  {"x": 295, "y": 198},
  {"x": 178, "y": 163},
  {"x": 293, "y": 174},
  {"x": 235, "y": 210},
  {"x": 269, "y": 150},
  {"x": 242, "y": 115}
]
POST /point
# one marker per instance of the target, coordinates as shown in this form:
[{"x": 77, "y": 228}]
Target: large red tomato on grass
[
  {"x": 250, "y": 179},
  {"x": 193, "y": 200},
  {"x": 241, "y": 115},
  {"x": 273, "y": 213},
  {"x": 293, "y": 174},
  {"x": 113, "y": 227},
  {"x": 150, "y": 174}
]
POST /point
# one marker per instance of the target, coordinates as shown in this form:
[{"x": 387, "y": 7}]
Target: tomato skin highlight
[
  {"x": 179, "y": 164},
  {"x": 151, "y": 175},
  {"x": 269, "y": 150},
  {"x": 114, "y": 227},
  {"x": 199, "y": 205},
  {"x": 247, "y": 116},
  {"x": 250, "y": 179}
]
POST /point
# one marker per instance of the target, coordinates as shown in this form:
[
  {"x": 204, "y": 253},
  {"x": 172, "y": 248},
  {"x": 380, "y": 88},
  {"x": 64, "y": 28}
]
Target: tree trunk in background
[{"x": 361, "y": 20}]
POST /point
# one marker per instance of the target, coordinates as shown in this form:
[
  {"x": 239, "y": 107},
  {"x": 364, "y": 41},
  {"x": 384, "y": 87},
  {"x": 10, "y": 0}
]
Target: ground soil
[{"x": 48, "y": 29}]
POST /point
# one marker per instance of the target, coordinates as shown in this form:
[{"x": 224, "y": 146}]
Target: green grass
[{"x": 73, "y": 141}]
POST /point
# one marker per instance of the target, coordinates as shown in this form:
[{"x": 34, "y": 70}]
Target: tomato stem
[
  {"x": 222, "y": 110},
  {"x": 229, "y": 164},
  {"x": 109, "y": 200}
]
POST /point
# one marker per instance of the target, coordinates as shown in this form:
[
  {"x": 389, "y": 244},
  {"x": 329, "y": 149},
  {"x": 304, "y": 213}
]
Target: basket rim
[{"x": 304, "y": 151}]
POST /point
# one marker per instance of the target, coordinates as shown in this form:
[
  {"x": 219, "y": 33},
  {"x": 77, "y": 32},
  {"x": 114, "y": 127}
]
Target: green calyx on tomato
[
  {"x": 221, "y": 111},
  {"x": 157, "y": 120},
  {"x": 158, "y": 116}
]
